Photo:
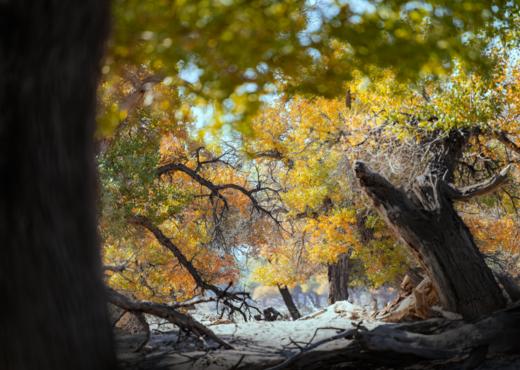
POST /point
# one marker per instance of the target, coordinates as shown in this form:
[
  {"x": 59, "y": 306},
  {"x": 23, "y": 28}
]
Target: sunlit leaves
[
  {"x": 414, "y": 71},
  {"x": 213, "y": 49}
]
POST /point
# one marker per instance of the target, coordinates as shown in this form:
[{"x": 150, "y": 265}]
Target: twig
[{"x": 346, "y": 334}]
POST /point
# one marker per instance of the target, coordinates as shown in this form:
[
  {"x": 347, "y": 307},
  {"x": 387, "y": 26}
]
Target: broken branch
[
  {"x": 482, "y": 188},
  {"x": 164, "y": 311}
]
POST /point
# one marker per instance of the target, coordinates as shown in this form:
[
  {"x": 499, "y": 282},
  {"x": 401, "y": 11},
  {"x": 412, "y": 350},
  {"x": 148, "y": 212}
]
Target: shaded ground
[
  {"x": 262, "y": 344},
  {"x": 254, "y": 342}
]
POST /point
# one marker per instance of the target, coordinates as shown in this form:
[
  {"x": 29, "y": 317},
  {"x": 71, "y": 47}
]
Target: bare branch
[
  {"x": 272, "y": 153},
  {"x": 234, "y": 301},
  {"x": 217, "y": 188},
  {"x": 346, "y": 334},
  {"x": 482, "y": 188},
  {"x": 185, "y": 322}
]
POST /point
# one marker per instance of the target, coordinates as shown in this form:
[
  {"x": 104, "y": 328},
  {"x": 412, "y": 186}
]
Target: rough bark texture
[
  {"x": 430, "y": 344},
  {"x": 289, "y": 302},
  {"x": 510, "y": 286},
  {"x": 338, "y": 274},
  {"x": 411, "y": 305},
  {"x": 425, "y": 219},
  {"x": 54, "y": 312}
]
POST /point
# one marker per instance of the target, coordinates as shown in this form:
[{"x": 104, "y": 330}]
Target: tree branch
[
  {"x": 115, "y": 268},
  {"x": 216, "y": 189},
  {"x": 481, "y": 188},
  {"x": 272, "y": 153},
  {"x": 346, "y": 334},
  {"x": 185, "y": 322},
  {"x": 235, "y": 301},
  {"x": 504, "y": 139}
]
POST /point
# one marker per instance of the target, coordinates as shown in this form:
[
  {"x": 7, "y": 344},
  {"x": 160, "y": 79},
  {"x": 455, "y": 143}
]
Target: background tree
[
  {"x": 309, "y": 143},
  {"x": 446, "y": 123}
]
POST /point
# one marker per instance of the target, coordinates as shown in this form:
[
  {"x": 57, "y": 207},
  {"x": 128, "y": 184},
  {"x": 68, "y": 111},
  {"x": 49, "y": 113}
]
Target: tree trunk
[
  {"x": 428, "y": 344},
  {"x": 55, "y": 314},
  {"x": 287, "y": 298},
  {"x": 425, "y": 219},
  {"x": 338, "y": 274}
]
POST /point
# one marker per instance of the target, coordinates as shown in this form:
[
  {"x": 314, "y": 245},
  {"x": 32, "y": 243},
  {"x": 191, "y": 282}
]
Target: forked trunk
[
  {"x": 289, "y": 302},
  {"x": 54, "y": 308},
  {"x": 425, "y": 219},
  {"x": 338, "y": 274}
]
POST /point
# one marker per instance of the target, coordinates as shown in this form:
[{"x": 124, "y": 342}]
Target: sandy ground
[{"x": 254, "y": 342}]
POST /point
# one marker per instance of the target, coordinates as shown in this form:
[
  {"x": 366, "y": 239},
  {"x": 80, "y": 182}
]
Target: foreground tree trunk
[
  {"x": 425, "y": 219},
  {"x": 338, "y": 274},
  {"x": 50, "y": 272},
  {"x": 289, "y": 302}
]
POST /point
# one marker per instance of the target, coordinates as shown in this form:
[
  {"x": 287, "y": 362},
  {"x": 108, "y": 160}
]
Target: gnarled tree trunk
[
  {"x": 425, "y": 219},
  {"x": 289, "y": 302},
  {"x": 54, "y": 308},
  {"x": 338, "y": 274}
]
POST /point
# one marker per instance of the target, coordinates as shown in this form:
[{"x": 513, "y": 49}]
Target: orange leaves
[
  {"x": 491, "y": 235},
  {"x": 314, "y": 139}
]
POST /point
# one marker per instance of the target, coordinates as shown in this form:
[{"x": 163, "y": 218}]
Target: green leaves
[
  {"x": 301, "y": 46},
  {"x": 129, "y": 179}
]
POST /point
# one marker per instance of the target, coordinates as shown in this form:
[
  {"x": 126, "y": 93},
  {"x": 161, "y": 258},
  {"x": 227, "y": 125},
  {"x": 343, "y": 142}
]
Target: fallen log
[
  {"x": 406, "y": 344},
  {"x": 164, "y": 311}
]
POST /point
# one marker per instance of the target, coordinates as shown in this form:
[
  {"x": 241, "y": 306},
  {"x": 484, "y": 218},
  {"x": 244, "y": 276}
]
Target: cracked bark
[{"x": 425, "y": 219}]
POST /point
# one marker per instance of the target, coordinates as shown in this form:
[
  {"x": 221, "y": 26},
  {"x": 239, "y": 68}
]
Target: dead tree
[{"x": 424, "y": 217}]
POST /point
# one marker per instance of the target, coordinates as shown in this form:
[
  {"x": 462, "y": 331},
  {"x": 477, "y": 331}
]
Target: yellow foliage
[{"x": 491, "y": 235}]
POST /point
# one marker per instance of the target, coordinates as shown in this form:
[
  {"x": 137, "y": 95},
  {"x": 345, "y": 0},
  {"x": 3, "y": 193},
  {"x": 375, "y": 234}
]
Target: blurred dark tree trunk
[
  {"x": 289, "y": 302},
  {"x": 51, "y": 286},
  {"x": 338, "y": 274}
]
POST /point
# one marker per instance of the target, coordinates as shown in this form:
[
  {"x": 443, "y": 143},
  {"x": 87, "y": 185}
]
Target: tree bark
[
  {"x": 55, "y": 314},
  {"x": 426, "y": 344},
  {"x": 169, "y": 313},
  {"x": 288, "y": 300},
  {"x": 425, "y": 219},
  {"x": 338, "y": 274}
]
